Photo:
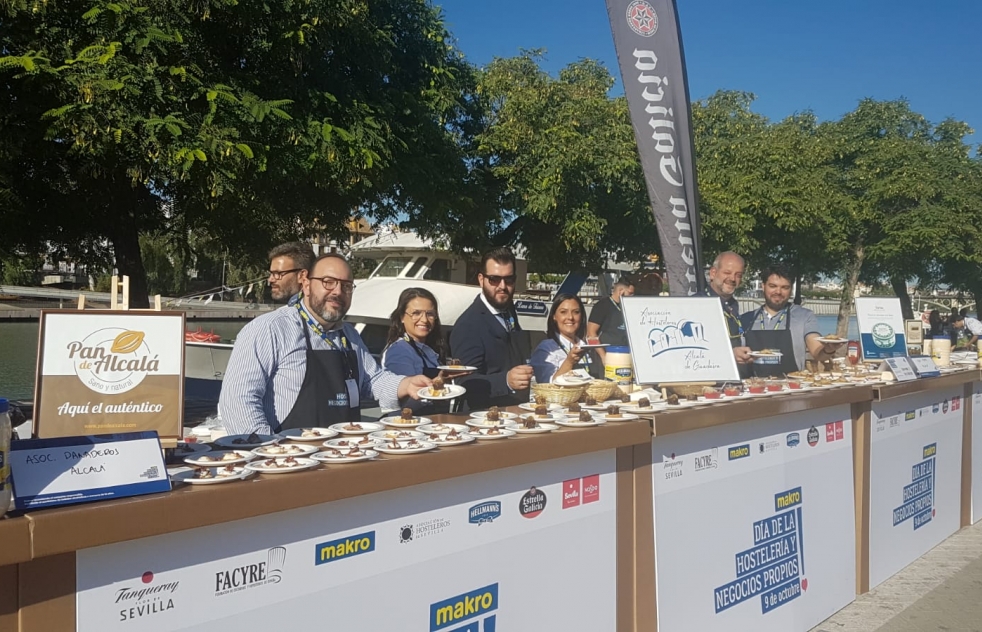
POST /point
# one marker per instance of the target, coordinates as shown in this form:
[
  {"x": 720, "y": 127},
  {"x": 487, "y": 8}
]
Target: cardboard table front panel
[
  {"x": 976, "y": 452},
  {"x": 754, "y": 524}
]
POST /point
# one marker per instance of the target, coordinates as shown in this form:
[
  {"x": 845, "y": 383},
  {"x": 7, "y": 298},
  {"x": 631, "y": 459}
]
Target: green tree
[{"x": 250, "y": 121}]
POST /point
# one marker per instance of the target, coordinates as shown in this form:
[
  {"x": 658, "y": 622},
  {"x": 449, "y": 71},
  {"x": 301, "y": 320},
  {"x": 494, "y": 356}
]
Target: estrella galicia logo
[
  {"x": 944, "y": 406},
  {"x": 793, "y": 439},
  {"x": 484, "y": 512},
  {"x": 474, "y": 606},
  {"x": 344, "y": 547},
  {"x": 813, "y": 436},
  {"x": 533, "y": 503},
  {"x": 738, "y": 452}
]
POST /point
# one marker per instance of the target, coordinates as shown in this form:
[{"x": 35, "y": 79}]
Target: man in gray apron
[
  {"x": 783, "y": 327},
  {"x": 302, "y": 366}
]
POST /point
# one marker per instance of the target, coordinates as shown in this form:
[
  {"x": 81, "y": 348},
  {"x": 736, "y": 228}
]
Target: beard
[
  {"x": 283, "y": 292},
  {"x": 328, "y": 312},
  {"x": 493, "y": 300},
  {"x": 776, "y": 306}
]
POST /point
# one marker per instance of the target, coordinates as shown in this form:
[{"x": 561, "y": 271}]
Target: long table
[{"x": 764, "y": 514}]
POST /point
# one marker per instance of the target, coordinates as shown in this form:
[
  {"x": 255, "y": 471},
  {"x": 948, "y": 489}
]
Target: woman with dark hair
[
  {"x": 560, "y": 352},
  {"x": 415, "y": 343}
]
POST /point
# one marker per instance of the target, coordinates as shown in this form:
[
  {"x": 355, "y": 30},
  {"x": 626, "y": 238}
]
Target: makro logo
[
  {"x": 739, "y": 451},
  {"x": 475, "y": 605},
  {"x": 344, "y": 547},
  {"x": 484, "y": 512},
  {"x": 909, "y": 415},
  {"x": 929, "y": 450},
  {"x": 112, "y": 360}
]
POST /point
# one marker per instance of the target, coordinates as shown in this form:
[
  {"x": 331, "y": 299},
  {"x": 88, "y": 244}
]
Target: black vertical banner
[{"x": 649, "y": 51}]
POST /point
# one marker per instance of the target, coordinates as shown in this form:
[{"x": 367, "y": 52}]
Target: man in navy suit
[{"x": 488, "y": 336}]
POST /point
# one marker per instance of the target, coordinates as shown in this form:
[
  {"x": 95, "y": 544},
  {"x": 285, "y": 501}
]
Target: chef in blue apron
[
  {"x": 302, "y": 366},
  {"x": 787, "y": 330}
]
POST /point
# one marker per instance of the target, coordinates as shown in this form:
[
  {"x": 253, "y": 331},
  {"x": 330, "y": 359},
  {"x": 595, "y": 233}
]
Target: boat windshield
[{"x": 391, "y": 267}]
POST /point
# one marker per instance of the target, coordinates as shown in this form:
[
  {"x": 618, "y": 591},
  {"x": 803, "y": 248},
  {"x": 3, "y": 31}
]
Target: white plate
[
  {"x": 503, "y": 415},
  {"x": 758, "y": 354},
  {"x": 295, "y": 451},
  {"x": 365, "y": 428},
  {"x": 571, "y": 380},
  {"x": 484, "y": 423},
  {"x": 599, "y": 345},
  {"x": 442, "y": 428},
  {"x": 398, "y": 435},
  {"x": 550, "y": 417},
  {"x": 185, "y": 449},
  {"x": 540, "y": 428},
  {"x": 228, "y": 441},
  {"x": 294, "y": 434},
  {"x": 305, "y": 464},
  {"x": 325, "y": 457},
  {"x": 570, "y": 423},
  {"x": 597, "y": 406},
  {"x": 965, "y": 362},
  {"x": 243, "y": 456},
  {"x": 396, "y": 422},
  {"x": 350, "y": 442},
  {"x": 456, "y": 369},
  {"x": 833, "y": 341},
  {"x": 650, "y": 410},
  {"x": 450, "y": 391},
  {"x": 464, "y": 438},
  {"x": 503, "y": 433},
  {"x": 623, "y": 417},
  {"x": 188, "y": 477},
  {"x": 551, "y": 407},
  {"x": 386, "y": 448}
]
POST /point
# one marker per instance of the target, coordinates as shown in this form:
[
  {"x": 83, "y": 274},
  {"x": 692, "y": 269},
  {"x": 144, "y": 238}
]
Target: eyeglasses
[
  {"x": 329, "y": 283},
  {"x": 416, "y": 314},
  {"x": 496, "y": 280},
  {"x": 276, "y": 275}
]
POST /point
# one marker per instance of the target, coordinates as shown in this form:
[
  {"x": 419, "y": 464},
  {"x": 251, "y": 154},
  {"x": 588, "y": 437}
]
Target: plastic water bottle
[{"x": 6, "y": 430}]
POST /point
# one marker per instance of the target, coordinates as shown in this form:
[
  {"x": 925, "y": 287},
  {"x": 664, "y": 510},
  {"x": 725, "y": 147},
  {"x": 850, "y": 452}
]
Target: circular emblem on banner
[
  {"x": 533, "y": 502},
  {"x": 642, "y": 18},
  {"x": 813, "y": 436},
  {"x": 112, "y": 360}
]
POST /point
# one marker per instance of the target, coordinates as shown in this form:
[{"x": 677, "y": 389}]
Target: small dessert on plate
[
  {"x": 252, "y": 439},
  {"x": 613, "y": 412},
  {"x": 644, "y": 402},
  {"x": 585, "y": 416},
  {"x": 438, "y": 388}
]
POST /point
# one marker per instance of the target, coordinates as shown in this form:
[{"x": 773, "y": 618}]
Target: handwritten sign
[
  {"x": 881, "y": 328},
  {"x": 68, "y": 470},
  {"x": 678, "y": 339},
  {"x": 106, "y": 372},
  {"x": 924, "y": 366},
  {"x": 902, "y": 369}
]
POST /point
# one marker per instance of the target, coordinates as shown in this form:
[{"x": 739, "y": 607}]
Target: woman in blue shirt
[
  {"x": 415, "y": 345},
  {"x": 560, "y": 352}
]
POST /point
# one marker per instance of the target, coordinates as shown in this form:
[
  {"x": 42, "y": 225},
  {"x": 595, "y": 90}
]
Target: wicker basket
[
  {"x": 602, "y": 390},
  {"x": 556, "y": 394}
]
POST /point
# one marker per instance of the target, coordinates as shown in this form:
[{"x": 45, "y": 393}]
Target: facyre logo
[
  {"x": 246, "y": 576},
  {"x": 151, "y": 599},
  {"x": 112, "y": 360},
  {"x": 707, "y": 461},
  {"x": 642, "y": 19}
]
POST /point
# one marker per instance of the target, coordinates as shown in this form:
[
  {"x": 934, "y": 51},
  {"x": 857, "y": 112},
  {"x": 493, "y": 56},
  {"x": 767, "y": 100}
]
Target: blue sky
[{"x": 794, "y": 55}]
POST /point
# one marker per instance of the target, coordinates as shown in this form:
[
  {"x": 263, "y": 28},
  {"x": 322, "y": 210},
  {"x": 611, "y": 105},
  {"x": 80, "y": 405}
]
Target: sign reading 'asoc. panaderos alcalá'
[{"x": 109, "y": 372}]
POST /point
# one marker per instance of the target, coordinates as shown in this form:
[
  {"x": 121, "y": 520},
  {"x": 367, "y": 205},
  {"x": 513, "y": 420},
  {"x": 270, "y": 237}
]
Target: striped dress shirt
[{"x": 268, "y": 365}]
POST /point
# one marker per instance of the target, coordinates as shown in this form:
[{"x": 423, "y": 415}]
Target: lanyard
[
  {"x": 778, "y": 321},
  {"x": 317, "y": 329},
  {"x": 584, "y": 360},
  {"x": 419, "y": 352}
]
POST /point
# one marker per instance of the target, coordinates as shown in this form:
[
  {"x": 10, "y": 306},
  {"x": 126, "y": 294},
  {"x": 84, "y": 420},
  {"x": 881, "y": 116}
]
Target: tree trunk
[
  {"x": 900, "y": 289},
  {"x": 129, "y": 260},
  {"x": 850, "y": 279}
]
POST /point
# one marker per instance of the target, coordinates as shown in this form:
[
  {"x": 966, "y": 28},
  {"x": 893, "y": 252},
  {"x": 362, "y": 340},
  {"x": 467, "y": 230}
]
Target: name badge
[
  {"x": 68, "y": 470},
  {"x": 354, "y": 395}
]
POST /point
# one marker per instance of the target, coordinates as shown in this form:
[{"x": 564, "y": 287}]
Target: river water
[{"x": 18, "y": 350}]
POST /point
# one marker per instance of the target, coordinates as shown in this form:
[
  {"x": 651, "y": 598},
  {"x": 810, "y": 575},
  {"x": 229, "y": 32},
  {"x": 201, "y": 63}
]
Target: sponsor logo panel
[
  {"x": 532, "y": 503},
  {"x": 342, "y": 548},
  {"x": 259, "y": 572},
  {"x": 738, "y": 452},
  {"x": 484, "y": 512},
  {"x": 475, "y": 607}
]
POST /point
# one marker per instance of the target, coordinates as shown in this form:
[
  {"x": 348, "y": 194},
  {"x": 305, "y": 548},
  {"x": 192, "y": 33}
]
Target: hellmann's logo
[
  {"x": 344, "y": 547},
  {"x": 112, "y": 360},
  {"x": 739, "y": 451},
  {"x": 472, "y": 606}
]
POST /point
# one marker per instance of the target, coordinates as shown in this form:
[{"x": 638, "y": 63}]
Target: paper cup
[{"x": 927, "y": 345}]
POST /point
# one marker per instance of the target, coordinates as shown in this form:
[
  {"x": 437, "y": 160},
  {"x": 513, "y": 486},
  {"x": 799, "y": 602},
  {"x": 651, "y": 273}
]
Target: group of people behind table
[
  {"x": 302, "y": 365},
  {"x": 961, "y": 329}
]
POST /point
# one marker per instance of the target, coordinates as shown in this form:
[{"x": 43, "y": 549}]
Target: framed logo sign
[
  {"x": 678, "y": 339},
  {"x": 107, "y": 372}
]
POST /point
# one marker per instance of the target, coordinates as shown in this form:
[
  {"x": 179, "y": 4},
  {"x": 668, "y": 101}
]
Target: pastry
[
  {"x": 231, "y": 456},
  {"x": 307, "y": 433},
  {"x": 591, "y": 401},
  {"x": 356, "y": 426},
  {"x": 541, "y": 410},
  {"x": 203, "y": 472},
  {"x": 540, "y": 400},
  {"x": 529, "y": 422},
  {"x": 644, "y": 402},
  {"x": 493, "y": 414},
  {"x": 406, "y": 416},
  {"x": 205, "y": 459},
  {"x": 228, "y": 470},
  {"x": 625, "y": 399},
  {"x": 672, "y": 400},
  {"x": 585, "y": 416},
  {"x": 574, "y": 407},
  {"x": 613, "y": 412},
  {"x": 437, "y": 387}
]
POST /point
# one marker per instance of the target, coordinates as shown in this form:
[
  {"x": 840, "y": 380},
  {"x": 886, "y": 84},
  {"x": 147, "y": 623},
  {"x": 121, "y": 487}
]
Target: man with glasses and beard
[
  {"x": 487, "y": 335},
  {"x": 288, "y": 265},
  {"x": 301, "y": 366}
]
